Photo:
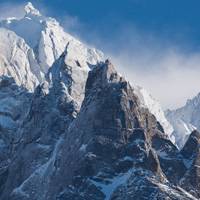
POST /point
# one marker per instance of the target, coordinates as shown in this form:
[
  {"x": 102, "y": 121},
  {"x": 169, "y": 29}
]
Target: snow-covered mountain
[
  {"x": 185, "y": 119},
  {"x": 28, "y": 48},
  {"x": 71, "y": 128},
  {"x": 47, "y": 40}
]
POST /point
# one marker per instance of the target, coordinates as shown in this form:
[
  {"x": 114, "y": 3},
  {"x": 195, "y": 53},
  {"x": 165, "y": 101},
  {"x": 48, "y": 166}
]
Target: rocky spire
[{"x": 192, "y": 145}]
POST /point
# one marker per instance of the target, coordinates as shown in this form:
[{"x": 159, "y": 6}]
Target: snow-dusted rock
[
  {"x": 70, "y": 71},
  {"x": 49, "y": 40},
  {"x": 14, "y": 104},
  {"x": 80, "y": 136},
  {"x": 191, "y": 154},
  {"x": 184, "y": 120},
  {"x": 62, "y": 155},
  {"x": 17, "y": 60},
  {"x": 155, "y": 108}
]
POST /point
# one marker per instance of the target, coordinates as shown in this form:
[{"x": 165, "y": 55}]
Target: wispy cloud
[
  {"x": 172, "y": 78},
  {"x": 167, "y": 70},
  {"x": 11, "y": 10}
]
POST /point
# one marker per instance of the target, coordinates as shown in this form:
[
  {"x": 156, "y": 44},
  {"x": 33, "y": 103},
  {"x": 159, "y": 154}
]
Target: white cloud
[
  {"x": 167, "y": 70},
  {"x": 170, "y": 76}
]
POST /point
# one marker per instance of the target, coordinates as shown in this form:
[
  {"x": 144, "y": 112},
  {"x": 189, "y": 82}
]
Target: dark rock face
[
  {"x": 109, "y": 149},
  {"x": 170, "y": 159},
  {"x": 191, "y": 147},
  {"x": 44, "y": 123},
  {"x": 14, "y": 101},
  {"x": 191, "y": 154}
]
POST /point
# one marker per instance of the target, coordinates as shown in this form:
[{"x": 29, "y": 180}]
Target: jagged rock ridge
[
  {"x": 80, "y": 136},
  {"x": 112, "y": 149},
  {"x": 46, "y": 42},
  {"x": 185, "y": 120}
]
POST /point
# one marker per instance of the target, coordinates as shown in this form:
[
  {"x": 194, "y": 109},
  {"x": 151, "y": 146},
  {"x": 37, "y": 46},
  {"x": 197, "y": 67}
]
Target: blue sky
[
  {"x": 174, "y": 20},
  {"x": 155, "y": 43}
]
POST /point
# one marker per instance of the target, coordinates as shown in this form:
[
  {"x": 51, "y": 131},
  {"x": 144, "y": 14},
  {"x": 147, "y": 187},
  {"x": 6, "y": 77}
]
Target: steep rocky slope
[
  {"x": 112, "y": 149},
  {"x": 44, "y": 44},
  {"x": 14, "y": 101},
  {"x": 191, "y": 154},
  {"x": 24, "y": 65},
  {"x": 71, "y": 128},
  {"x": 155, "y": 108}
]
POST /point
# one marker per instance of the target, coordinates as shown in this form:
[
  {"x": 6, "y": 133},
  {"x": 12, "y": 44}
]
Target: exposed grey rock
[
  {"x": 50, "y": 113},
  {"x": 111, "y": 148},
  {"x": 81, "y": 136},
  {"x": 14, "y": 104},
  {"x": 191, "y": 154}
]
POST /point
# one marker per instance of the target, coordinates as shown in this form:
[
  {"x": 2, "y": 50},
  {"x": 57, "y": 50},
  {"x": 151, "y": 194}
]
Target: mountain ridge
[
  {"x": 84, "y": 132},
  {"x": 185, "y": 119}
]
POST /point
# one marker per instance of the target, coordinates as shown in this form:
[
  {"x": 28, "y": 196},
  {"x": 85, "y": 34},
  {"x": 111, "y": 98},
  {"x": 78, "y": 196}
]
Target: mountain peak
[
  {"x": 191, "y": 147},
  {"x": 31, "y": 10}
]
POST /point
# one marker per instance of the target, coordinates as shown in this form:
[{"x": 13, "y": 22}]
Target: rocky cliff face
[
  {"x": 155, "y": 108},
  {"x": 112, "y": 148},
  {"x": 77, "y": 130},
  {"x": 43, "y": 45},
  {"x": 191, "y": 154},
  {"x": 14, "y": 102}
]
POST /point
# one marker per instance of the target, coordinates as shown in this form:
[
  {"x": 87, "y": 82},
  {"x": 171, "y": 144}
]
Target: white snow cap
[{"x": 31, "y": 10}]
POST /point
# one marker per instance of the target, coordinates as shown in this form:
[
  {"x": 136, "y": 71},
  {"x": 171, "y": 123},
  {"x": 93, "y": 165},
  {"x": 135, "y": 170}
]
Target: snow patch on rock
[{"x": 108, "y": 189}]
